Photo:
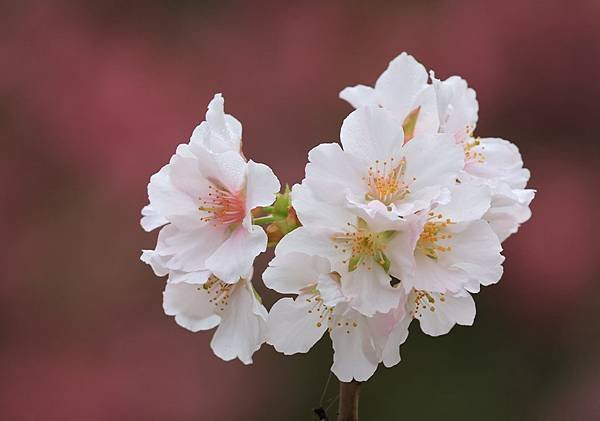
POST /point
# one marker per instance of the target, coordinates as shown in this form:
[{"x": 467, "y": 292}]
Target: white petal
[
  {"x": 372, "y": 134},
  {"x": 221, "y": 132},
  {"x": 227, "y": 168},
  {"x": 399, "y": 85},
  {"x": 188, "y": 250},
  {"x": 234, "y": 258},
  {"x": 291, "y": 272},
  {"x": 401, "y": 248},
  {"x": 152, "y": 219},
  {"x": 359, "y": 96},
  {"x": 303, "y": 241},
  {"x": 198, "y": 278},
  {"x": 330, "y": 290},
  {"x": 243, "y": 326},
  {"x": 391, "y": 350},
  {"x": 315, "y": 213},
  {"x": 434, "y": 160},
  {"x": 457, "y": 106},
  {"x": 173, "y": 203},
  {"x": 189, "y": 304},
  {"x": 261, "y": 186},
  {"x": 334, "y": 174},
  {"x": 370, "y": 290},
  {"x": 436, "y": 275},
  {"x": 468, "y": 202},
  {"x": 428, "y": 119},
  {"x": 502, "y": 162},
  {"x": 447, "y": 313},
  {"x": 355, "y": 356},
  {"x": 156, "y": 262},
  {"x": 296, "y": 325},
  {"x": 476, "y": 250}
]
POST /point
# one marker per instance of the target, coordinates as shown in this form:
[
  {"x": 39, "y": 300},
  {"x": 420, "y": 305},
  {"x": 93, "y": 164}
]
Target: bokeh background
[{"x": 94, "y": 98}]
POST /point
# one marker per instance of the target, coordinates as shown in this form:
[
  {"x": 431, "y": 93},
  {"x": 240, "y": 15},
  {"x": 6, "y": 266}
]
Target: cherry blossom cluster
[{"x": 402, "y": 220}]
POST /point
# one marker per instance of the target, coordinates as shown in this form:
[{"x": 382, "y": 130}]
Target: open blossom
[
  {"x": 234, "y": 308},
  {"x": 402, "y": 89},
  {"x": 495, "y": 162},
  {"x": 206, "y": 199},
  {"x": 438, "y": 312},
  {"x": 378, "y": 171},
  {"x": 364, "y": 250},
  {"x": 360, "y": 343},
  {"x": 203, "y": 200},
  {"x": 456, "y": 249}
]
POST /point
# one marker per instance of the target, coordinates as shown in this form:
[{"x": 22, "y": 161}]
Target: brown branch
[{"x": 348, "y": 406}]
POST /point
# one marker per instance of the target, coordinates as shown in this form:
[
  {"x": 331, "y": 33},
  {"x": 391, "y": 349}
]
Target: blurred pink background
[{"x": 94, "y": 98}]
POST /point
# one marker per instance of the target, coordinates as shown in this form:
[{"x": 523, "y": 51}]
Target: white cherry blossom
[
  {"x": 363, "y": 249},
  {"x": 403, "y": 90},
  {"x": 234, "y": 308},
  {"x": 378, "y": 172},
  {"x": 496, "y": 162},
  {"x": 456, "y": 249},
  {"x": 360, "y": 343},
  {"x": 437, "y": 312},
  {"x": 206, "y": 198}
]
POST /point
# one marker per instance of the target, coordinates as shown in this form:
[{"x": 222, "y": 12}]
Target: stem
[
  {"x": 264, "y": 220},
  {"x": 349, "y": 395}
]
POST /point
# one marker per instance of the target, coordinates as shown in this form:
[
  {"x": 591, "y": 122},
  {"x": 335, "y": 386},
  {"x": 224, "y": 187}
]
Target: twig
[{"x": 349, "y": 395}]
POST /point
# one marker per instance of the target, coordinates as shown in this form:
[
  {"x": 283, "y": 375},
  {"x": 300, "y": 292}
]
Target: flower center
[
  {"x": 363, "y": 246},
  {"x": 218, "y": 292},
  {"x": 385, "y": 183},
  {"x": 222, "y": 206},
  {"x": 434, "y": 231},
  {"x": 423, "y": 301},
  {"x": 472, "y": 155},
  {"x": 326, "y": 315}
]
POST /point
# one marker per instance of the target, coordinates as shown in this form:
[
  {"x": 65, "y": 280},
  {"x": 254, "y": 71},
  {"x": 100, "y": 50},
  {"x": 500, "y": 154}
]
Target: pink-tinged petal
[
  {"x": 359, "y": 96},
  {"x": 355, "y": 356},
  {"x": 369, "y": 291},
  {"x": 390, "y": 354},
  {"x": 243, "y": 326},
  {"x": 296, "y": 325},
  {"x": 261, "y": 186},
  {"x": 372, "y": 134},
  {"x": 291, "y": 272},
  {"x": 234, "y": 258},
  {"x": 190, "y": 306}
]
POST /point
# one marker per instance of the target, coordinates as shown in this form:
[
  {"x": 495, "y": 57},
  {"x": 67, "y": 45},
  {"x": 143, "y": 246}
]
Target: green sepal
[
  {"x": 354, "y": 262},
  {"x": 410, "y": 122}
]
